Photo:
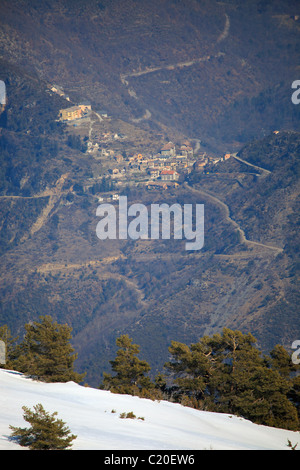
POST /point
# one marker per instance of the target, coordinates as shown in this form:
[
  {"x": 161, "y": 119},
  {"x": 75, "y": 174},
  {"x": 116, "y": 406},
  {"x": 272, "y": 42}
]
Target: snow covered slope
[{"x": 94, "y": 416}]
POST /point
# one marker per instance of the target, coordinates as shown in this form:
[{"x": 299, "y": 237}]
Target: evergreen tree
[
  {"x": 294, "y": 394},
  {"x": 46, "y": 352},
  {"x": 279, "y": 359},
  {"x": 129, "y": 370},
  {"x": 192, "y": 369},
  {"x": 227, "y": 373},
  {"x": 46, "y": 431},
  {"x": 251, "y": 389}
]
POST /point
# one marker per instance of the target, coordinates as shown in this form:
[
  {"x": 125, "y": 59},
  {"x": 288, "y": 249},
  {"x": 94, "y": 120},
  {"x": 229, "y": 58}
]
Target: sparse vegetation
[
  {"x": 130, "y": 415},
  {"x": 292, "y": 447}
]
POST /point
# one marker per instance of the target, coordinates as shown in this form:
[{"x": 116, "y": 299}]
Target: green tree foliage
[
  {"x": 46, "y": 352},
  {"x": 74, "y": 141},
  {"x": 280, "y": 360},
  {"x": 227, "y": 373},
  {"x": 105, "y": 185},
  {"x": 294, "y": 393},
  {"x": 46, "y": 431},
  {"x": 129, "y": 370}
]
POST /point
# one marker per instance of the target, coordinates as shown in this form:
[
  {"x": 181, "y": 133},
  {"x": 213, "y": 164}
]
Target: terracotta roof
[{"x": 168, "y": 146}]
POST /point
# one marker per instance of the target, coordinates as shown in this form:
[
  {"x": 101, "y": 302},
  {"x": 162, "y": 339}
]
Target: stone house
[{"x": 169, "y": 175}]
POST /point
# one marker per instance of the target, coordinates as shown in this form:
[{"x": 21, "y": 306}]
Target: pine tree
[
  {"x": 227, "y": 373},
  {"x": 192, "y": 368},
  {"x": 252, "y": 390},
  {"x": 279, "y": 359},
  {"x": 294, "y": 394},
  {"x": 46, "y": 431},
  {"x": 129, "y": 369},
  {"x": 46, "y": 352}
]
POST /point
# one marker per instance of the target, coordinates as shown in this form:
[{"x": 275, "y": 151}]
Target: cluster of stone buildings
[
  {"x": 162, "y": 169},
  {"x": 165, "y": 167}
]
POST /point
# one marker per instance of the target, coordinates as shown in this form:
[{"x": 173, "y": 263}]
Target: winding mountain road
[
  {"x": 229, "y": 219},
  {"x": 263, "y": 170},
  {"x": 188, "y": 63}
]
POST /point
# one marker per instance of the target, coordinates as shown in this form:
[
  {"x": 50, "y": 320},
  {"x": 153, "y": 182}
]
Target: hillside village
[{"x": 163, "y": 169}]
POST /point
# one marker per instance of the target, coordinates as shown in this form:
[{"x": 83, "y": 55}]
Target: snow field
[{"x": 166, "y": 426}]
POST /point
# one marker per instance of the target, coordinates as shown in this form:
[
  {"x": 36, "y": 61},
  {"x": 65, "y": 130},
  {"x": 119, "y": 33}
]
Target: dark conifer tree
[
  {"x": 46, "y": 431},
  {"x": 46, "y": 352},
  {"x": 227, "y": 373},
  {"x": 129, "y": 370}
]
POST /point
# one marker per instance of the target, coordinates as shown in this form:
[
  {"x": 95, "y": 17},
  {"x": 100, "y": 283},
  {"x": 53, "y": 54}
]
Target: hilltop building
[
  {"x": 69, "y": 114},
  {"x": 75, "y": 112},
  {"x": 85, "y": 106},
  {"x": 168, "y": 150}
]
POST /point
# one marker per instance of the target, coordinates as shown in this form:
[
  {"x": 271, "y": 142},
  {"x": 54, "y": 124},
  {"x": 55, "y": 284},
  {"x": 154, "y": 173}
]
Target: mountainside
[
  {"x": 169, "y": 70},
  {"x": 157, "y": 425},
  {"x": 218, "y": 72}
]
